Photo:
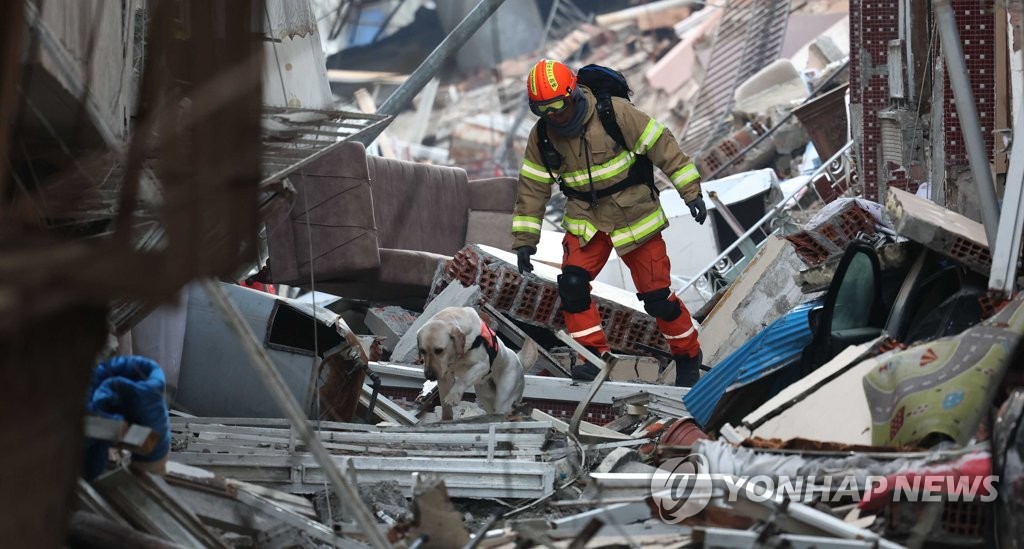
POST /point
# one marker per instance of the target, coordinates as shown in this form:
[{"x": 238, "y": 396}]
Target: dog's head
[{"x": 439, "y": 342}]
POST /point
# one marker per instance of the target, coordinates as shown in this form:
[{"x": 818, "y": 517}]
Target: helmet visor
[{"x": 550, "y": 107}]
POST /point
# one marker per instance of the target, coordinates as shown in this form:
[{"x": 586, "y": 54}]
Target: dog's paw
[{"x": 452, "y": 399}]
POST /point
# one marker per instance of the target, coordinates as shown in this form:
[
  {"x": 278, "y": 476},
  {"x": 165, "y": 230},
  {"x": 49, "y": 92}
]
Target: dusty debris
[
  {"x": 434, "y": 516},
  {"x": 538, "y": 477},
  {"x": 385, "y": 499}
]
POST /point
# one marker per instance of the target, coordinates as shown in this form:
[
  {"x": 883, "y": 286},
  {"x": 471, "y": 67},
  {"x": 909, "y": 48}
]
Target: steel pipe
[
  {"x": 429, "y": 67},
  {"x": 970, "y": 126}
]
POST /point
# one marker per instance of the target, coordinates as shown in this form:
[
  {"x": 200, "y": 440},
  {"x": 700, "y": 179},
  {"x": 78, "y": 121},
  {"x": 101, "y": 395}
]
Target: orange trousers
[{"x": 649, "y": 266}]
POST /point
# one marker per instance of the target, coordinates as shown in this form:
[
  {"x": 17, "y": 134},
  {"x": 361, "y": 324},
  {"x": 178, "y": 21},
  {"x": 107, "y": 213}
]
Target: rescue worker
[{"x": 610, "y": 205}]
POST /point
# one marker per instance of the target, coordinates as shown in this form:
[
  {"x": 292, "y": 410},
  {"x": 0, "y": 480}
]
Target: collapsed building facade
[{"x": 856, "y": 291}]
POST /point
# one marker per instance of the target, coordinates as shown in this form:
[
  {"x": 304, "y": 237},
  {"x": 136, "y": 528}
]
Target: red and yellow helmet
[{"x": 550, "y": 80}]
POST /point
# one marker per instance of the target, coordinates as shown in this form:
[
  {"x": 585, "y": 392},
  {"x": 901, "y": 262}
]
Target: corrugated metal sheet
[
  {"x": 748, "y": 39},
  {"x": 777, "y": 346}
]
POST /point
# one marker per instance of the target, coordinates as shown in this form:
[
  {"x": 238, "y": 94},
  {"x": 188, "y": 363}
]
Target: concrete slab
[
  {"x": 939, "y": 229},
  {"x": 390, "y": 323},
  {"x": 836, "y": 412},
  {"x": 455, "y": 295},
  {"x": 762, "y": 293},
  {"x": 778, "y": 84},
  {"x": 810, "y": 383}
]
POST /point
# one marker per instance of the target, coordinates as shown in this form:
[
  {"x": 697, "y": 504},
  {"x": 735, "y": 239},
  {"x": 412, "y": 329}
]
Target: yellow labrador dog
[{"x": 459, "y": 350}]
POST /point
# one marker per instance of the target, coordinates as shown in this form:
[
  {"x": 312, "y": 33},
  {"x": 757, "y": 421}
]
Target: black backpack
[{"x": 604, "y": 83}]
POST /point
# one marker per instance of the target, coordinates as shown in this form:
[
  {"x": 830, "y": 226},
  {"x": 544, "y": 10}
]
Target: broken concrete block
[
  {"x": 764, "y": 291},
  {"x": 454, "y": 295},
  {"x": 780, "y": 83},
  {"x": 823, "y": 52},
  {"x": 939, "y": 229},
  {"x": 616, "y": 460},
  {"x": 790, "y": 137},
  {"x": 390, "y": 323}
]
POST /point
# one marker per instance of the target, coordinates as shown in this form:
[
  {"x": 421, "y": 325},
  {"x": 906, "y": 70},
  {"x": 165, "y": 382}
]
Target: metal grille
[
  {"x": 293, "y": 138},
  {"x": 749, "y": 37}
]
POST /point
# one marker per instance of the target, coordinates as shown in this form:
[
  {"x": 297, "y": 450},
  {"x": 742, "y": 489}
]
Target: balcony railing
[{"x": 833, "y": 179}]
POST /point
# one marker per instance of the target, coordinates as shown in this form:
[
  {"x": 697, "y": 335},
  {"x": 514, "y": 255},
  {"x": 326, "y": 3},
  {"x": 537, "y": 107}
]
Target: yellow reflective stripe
[
  {"x": 579, "y": 227},
  {"x": 685, "y": 175},
  {"x": 552, "y": 81},
  {"x": 649, "y": 137},
  {"x": 640, "y": 229},
  {"x": 533, "y": 80},
  {"x": 601, "y": 172},
  {"x": 525, "y": 224},
  {"x": 535, "y": 172}
]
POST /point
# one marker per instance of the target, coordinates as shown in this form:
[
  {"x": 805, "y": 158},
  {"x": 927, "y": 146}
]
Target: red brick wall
[
  {"x": 976, "y": 21},
  {"x": 873, "y": 23}
]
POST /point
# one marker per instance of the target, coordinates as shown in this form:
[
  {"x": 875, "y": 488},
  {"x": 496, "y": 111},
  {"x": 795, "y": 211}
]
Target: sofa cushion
[
  {"x": 409, "y": 267},
  {"x": 496, "y": 194},
  {"x": 418, "y": 206},
  {"x": 490, "y": 228}
]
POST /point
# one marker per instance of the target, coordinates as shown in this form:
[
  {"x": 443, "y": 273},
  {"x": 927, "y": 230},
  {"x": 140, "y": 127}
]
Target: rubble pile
[
  {"x": 662, "y": 51},
  {"x": 861, "y": 377}
]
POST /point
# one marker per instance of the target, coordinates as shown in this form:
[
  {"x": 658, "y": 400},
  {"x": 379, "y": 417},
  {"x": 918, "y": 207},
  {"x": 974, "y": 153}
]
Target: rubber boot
[
  {"x": 688, "y": 369},
  {"x": 585, "y": 371}
]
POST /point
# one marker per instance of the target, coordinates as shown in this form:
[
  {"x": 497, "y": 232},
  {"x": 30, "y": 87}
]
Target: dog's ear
[{"x": 458, "y": 340}]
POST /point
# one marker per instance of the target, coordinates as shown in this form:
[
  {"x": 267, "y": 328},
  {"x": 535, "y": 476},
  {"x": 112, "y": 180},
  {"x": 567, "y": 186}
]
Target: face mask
[{"x": 573, "y": 126}]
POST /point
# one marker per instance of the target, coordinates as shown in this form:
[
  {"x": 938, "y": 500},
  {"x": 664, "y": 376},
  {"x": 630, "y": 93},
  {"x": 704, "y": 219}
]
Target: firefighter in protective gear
[{"x": 608, "y": 207}]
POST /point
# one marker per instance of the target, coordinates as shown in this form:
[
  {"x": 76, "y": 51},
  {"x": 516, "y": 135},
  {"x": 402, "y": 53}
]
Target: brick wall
[
  {"x": 873, "y": 23},
  {"x": 975, "y": 20}
]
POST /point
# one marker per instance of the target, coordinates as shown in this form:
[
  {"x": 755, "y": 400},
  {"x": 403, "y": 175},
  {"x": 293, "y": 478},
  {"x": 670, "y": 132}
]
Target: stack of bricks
[
  {"x": 816, "y": 245},
  {"x": 534, "y": 300},
  {"x": 730, "y": 146},
  {"x": 899, "y": 178},
  {"x": 975, "y": 19}
]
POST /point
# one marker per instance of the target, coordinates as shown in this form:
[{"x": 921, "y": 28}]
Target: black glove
[
  {"x": 698, "y": 210},
  {"x": 524, "y": 253}
]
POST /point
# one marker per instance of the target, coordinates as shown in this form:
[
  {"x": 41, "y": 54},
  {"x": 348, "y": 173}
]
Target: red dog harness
[{"x": 489, "y": 340}]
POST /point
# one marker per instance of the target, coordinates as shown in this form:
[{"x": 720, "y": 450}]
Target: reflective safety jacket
[{"x": 630, "y": 216}]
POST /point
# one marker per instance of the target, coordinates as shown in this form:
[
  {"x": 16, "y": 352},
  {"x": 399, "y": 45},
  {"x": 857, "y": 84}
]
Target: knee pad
[
  {"x": 574, "y": 289},
  {"x": 658, "y": 305}
]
